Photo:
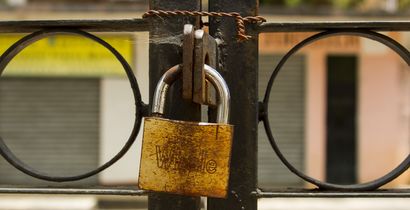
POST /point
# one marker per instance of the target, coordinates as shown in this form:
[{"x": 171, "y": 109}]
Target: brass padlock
[{"x": 188, "y": 158}]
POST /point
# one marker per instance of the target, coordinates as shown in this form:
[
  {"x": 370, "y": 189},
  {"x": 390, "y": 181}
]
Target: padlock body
[{"x": 187, "y": 158}]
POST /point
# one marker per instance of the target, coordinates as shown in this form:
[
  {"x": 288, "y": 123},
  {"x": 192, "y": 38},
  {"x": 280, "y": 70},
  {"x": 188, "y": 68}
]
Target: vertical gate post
[
  {"x": 239, "y": 66},
  {"x": 164, "y": 54}
]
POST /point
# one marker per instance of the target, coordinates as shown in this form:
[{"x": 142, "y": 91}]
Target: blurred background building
[{"x": 340, "y": 109}]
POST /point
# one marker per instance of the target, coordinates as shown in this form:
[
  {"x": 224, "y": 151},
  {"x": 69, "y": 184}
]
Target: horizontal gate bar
[
  {"x": 115, "y": 25},
  {"x": 134, "y": 191},
  {"x": 305, "y": 26},
  {"x": 131, "y": 191},
  {"x": 382, "y": 193},
  {"x": 135, "y": 25}
]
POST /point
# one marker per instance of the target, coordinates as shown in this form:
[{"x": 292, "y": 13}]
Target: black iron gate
[{"x": 238, "y": 64}]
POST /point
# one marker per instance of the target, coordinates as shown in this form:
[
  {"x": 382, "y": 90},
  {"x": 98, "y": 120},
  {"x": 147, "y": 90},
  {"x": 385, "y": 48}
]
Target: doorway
[{"x": 341, "y": 149}]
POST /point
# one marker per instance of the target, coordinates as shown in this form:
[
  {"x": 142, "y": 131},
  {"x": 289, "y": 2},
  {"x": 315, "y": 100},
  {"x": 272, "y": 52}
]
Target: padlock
[{"x": 187, "y": 158}]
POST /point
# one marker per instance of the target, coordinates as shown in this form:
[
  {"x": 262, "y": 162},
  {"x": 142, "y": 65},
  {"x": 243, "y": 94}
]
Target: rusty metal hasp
[{"x": 199, "y": 48}]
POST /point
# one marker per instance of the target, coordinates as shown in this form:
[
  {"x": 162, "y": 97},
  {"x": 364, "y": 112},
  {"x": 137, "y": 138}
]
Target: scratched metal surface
[{"x": 185, "y": 157}]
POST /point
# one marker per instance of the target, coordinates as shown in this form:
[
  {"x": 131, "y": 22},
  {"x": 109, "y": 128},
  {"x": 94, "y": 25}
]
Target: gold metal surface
[{"x": 188, "y": 158}]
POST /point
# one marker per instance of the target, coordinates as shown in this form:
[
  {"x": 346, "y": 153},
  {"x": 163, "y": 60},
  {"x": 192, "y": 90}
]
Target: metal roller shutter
[
  {"x": 51, "y": 124},
  {"x": 286, "y": 115}
]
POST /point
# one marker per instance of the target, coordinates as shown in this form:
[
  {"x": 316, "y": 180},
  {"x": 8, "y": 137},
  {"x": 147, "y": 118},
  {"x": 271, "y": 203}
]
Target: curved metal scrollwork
[
  {"x": 140, "y": 107},
  {"x": 392, "y": 44}
]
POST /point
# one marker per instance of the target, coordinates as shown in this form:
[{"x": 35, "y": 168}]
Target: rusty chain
[{"x": 240, "y": 21}]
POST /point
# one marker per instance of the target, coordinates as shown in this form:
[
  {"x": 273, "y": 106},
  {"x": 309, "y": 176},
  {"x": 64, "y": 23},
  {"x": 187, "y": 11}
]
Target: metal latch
[{"x": 199, "y": 48}]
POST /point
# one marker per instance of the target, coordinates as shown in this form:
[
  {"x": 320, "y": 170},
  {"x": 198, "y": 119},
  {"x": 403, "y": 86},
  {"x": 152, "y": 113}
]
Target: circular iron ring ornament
[
  {"x": 372, "y": 185},
  {"x": 26, "y": 41}
]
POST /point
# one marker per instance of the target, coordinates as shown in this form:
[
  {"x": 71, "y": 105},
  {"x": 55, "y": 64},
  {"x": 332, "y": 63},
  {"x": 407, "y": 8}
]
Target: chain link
[{"x": 240, "y": 21}]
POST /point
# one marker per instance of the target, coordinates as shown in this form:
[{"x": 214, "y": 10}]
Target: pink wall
[
  {"x": 315, "y": 122},
  {"x": 383, "y": 142},
  {"x": 383, "y": 107},
  {"x": 383, "y": 112}
]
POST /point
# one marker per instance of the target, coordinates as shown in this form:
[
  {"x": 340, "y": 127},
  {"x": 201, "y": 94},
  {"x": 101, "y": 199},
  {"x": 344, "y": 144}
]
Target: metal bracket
[
  {"x": 187, "y": 62},
  {"x": 199, "y": 48}
]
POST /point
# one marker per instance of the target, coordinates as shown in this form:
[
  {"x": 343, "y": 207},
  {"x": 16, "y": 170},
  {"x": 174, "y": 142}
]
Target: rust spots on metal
[
  {"x": 188, "y": 158},
  {"x": 240, "y": 21},
  {"x": 174, "y": 74}
]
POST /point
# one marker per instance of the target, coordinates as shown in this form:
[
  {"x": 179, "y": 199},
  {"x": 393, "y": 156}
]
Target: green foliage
[
  {"x": 404, "y": 4},
  {"x": 293, "y": 3},
  {"x": 344, "y": 4},
  {"x": 272, "y": 2},
  {"x": 319, "y": 2}
]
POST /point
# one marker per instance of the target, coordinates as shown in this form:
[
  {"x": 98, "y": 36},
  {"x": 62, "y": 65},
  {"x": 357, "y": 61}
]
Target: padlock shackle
[
  {"x": 170, "y": 76},
  {"x": 223, "y": 96}
]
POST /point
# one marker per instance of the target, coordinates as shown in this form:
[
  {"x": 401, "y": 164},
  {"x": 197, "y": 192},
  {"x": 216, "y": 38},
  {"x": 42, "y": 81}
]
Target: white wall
[{"x": 117, "y": 118}]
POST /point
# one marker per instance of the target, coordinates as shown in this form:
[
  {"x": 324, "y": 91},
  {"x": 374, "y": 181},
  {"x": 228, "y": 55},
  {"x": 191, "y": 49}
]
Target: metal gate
[
  {"x": 287, "y": 107},
  {"x": 46, "y": 112},
  {"x": 238, "y": 64}
]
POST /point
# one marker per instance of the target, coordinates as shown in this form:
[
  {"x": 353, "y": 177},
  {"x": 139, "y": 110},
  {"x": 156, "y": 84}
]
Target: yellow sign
[{"x": 68, "y": 55}]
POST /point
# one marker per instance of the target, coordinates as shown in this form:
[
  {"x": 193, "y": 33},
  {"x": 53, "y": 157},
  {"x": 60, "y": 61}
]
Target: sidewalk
[
  {"x": 61, "y": 202},
  {"x": 334, "y": 204}
]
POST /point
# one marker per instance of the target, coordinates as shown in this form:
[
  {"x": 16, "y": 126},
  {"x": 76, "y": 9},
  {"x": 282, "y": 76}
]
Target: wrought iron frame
[{"x": 243, "y": 180}]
